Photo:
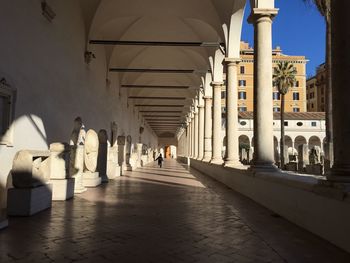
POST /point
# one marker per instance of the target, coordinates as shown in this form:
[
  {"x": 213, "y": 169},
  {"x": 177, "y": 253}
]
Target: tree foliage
[
  {"x": 284, "y": 76},
  {"x": 323, "y": 6}
]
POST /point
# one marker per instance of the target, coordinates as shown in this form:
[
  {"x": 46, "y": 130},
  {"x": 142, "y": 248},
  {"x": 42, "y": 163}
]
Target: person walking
[{"x": 160, "y": 160}]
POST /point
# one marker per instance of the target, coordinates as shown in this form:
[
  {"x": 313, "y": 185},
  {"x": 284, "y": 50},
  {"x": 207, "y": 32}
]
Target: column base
[
  {"x": 199, "y": 158},
  {"x": 264, "y": 167},
  {"x": 232, "y": 163},
  {"x": 206, "y": 159},
  {"x": 218, "y": 161}
]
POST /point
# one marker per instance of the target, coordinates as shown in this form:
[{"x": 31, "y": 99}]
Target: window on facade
[
  {"x": 276, "y": 96},
  {"x": 299, "y": 123},
  {"x": 242, "y": 95},
  {"x": 297, "y": 84},
  {"x": 242, "y": 109},
  {"x": 242, "y": 83},
  {"x": 313, "y": 124},
  {"x": 286, "y": 123},
  {"x": 322, "y": 91},
  {"x": 322, "y": 99},
  {"x": 312, "y": 105},
  {"x": 243, "y": 123},
  {"x": 296, "y": 96},
  {"x": 242, "y": 69},
  {"x": 276, "y": 109},
  {"x": 296, "y": 110},
  {"x": 307, "y": 96},
  {"x": 223, "y": 94},
  {"x": 223, "y": 109},
  {"x": 7, "y": 100}
]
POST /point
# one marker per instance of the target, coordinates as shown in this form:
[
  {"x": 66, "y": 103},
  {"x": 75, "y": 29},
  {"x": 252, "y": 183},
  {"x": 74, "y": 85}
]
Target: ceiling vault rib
[
  {"x": 154, "y": 87},
  {"x": 158, "y": 70},
  {"x": 167, "y": 111},
  {"x": 156, "y": 43},
  {"x": 157, "y": 98},
  {"x": 158, "y": 105}
]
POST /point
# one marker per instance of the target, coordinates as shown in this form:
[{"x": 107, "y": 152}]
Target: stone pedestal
[
  {"x": 292, "y": 166},
  {"x": 28, "y": 201},
  {"x": 62, "y": 185},
  {"x": 91, "y": 179},
  {"x": 102, "y": 155},
  {"x": 316, "y": 169},
  {"x": 77, "y": 167},
  {"x": 62, "y": 189},
  {"x": 113, "y": 170}
]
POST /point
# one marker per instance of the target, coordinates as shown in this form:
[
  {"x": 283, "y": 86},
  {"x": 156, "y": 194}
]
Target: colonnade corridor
[{"x": 168, "y": 214}]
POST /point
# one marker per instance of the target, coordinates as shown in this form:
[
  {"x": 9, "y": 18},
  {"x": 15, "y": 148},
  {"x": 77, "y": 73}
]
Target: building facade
[
  {"x": 316, "y": 90},
  {"x": 295, "y": 98}
]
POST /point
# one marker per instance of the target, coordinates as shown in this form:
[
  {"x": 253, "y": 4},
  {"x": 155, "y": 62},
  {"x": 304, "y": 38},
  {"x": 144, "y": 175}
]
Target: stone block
[
  {"x": 62, "y": 189},
  {"x": 59, "y": 160},
  {"x": 28, "y": 201},
  {"x": 113, "y": 170},
  {"x": 91, "y": 179},
  {"x": 292, "y": 166},
  {"x": 316, "y": 169},
  {"x": 30, "y": 168}
]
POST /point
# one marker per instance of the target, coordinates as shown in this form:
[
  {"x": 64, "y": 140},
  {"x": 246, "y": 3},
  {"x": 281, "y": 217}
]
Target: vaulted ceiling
[{"x": 160, "y": 50}]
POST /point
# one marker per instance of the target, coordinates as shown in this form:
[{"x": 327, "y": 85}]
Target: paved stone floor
[{"x": 161, "y": 215}]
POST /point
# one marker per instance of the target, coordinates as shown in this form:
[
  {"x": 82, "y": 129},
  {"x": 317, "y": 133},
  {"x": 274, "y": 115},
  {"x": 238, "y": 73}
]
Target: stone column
[
  {"x": 200, "y": 132},
  {"x": 232, "y": 148},
  {"x": 189, "y": 137},
  {"x": 139, "y": 155},
  {"x": 196, "y": 133},
  {"x": 340, "y": 81},
  {"x": 263, "y": 112},
  {"x": 192, "y": 135},
  {"x": 208, "y": 102},
  {"x": 217, "y": 145}
]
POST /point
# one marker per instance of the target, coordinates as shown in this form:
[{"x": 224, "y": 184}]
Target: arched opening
[
  {"x": 314, "y": 141},
  {"x": 244, "y": 149}
]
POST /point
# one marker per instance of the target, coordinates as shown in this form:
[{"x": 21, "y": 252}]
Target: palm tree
[
  {"x": 284, "y": 77},
  {"x": 324, "y": 7}
]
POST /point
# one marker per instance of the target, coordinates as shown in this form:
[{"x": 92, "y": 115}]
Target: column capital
[
  {"x": 207, "y": 97},
  {"x": 232, "y": 61},
  {"x": 217, "y": 83},
  {"x": 200, "y": 106},
  {"x": 258, "y": 13}
]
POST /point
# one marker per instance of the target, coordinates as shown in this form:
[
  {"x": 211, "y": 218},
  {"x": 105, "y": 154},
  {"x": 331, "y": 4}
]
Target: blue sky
[{"x": 298, "y": 29}]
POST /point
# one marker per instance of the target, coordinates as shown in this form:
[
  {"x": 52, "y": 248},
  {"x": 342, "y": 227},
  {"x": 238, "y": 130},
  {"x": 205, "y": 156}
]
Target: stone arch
[
  {"x": 243, "y": 141},
  {"x": 288, "y": 142},
  {"x": 314, "y": 141},
  {"x": 299, "y": 140}
]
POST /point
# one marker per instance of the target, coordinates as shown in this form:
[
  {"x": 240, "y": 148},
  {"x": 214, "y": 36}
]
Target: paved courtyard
[{"x": 161, "y": 215}]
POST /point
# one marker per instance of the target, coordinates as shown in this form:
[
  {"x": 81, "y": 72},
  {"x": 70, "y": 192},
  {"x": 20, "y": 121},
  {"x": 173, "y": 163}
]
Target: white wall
[{"x": 45, "y": 62}]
